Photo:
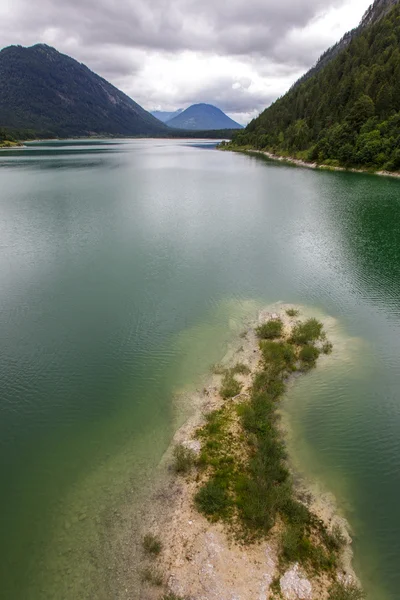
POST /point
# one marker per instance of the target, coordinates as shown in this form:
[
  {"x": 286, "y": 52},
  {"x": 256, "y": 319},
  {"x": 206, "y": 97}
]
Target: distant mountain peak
[{"x": 203, "y": 117}]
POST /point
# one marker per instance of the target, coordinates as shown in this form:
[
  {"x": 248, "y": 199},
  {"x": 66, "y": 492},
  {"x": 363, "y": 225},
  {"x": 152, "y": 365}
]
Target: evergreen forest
[{"x": 348, "y": 114}]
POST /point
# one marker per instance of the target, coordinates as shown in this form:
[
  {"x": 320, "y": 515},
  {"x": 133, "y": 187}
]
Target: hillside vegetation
[
  {"x": 348, "y": 113},
  {"x": 54, "y": 95}
]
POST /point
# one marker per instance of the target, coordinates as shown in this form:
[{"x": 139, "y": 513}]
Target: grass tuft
[
  {"x": 342, "y": 591},
  {"x": 230, "y": 386},
  {"x": 240, "y": 369},
  {"x": 279, "y": 357},
  {"x": 292, "y": 312},
  {"x": 212, "y": 499},
  {"x": 152, "y": 576},
  {"x": 151, "y": 544},
  {"x": 307, "y": 332},
  {"x": 270, "y": 330},
  {"x": 308, "y": 357},
  {"x": 327, "y": 348},
  {"x": 184, "y": 459}
]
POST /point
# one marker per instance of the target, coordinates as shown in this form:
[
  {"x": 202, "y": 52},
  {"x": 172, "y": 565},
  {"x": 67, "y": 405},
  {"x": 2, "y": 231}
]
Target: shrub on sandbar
[
  {"x": 184, "y": 459},
  {"x": 307, "y": 332},
  {"x": 341, "y": 591},
  {"x": 151, "y": 544},
  {"x": 230, "y": 387},
  {"x": 270, "y": 330},
  {"x": 212, "y": 499},
  {"x": 308, "y": 356}
]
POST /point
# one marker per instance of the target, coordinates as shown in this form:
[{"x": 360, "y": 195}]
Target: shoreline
[
  {"x": 202, "y": 559},
  {"x": 309, "y": 165}
]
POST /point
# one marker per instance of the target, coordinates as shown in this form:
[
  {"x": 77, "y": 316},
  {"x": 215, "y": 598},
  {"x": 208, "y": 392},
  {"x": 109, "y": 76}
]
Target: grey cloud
[
  {"x": 236, "y": 27},
  {"x": 116, "y": 38},
  {"x": 230, "y": 99},
  {"x": 111, "y": 61}
]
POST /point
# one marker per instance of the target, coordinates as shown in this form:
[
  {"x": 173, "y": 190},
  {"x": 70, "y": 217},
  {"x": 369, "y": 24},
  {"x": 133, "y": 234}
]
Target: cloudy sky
[{"x": 237, "y": 54}]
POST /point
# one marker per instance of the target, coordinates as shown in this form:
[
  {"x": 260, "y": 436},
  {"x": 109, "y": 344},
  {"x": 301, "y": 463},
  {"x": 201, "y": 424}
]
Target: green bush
[
  {"x": 342, "y": 591},
  {"x": 184, "y": 459},
  {"x": 295, "y": 546},
  {"x": 212, "y": 499},
  {"x": 307, "y": 332},
  {"x": 151, "y": 544},
  {"x": 214, "y": 423},
  {"x": 270, "y": 330},
  {"x": 255, "y": 505},
  {"x": 308, "y": 356},
  {"x": 278, "y": 356},
  {"x": 298, "y": 547},
  {"x": 295, "y": 512},
  {"x": 230, "y": 387},
  {"x": 258, "y": 415},
  {"x": 292, "y": 312}
]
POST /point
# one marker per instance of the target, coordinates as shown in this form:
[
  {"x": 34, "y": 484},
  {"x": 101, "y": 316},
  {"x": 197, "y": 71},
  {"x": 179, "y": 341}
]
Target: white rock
[
  {"x": 194, "y": 445},
  {"x": 295, "y": 586}
]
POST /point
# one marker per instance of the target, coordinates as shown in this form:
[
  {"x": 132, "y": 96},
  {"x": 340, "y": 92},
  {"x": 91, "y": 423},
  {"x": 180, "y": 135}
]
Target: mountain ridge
[{"x": 47, "y": 91}]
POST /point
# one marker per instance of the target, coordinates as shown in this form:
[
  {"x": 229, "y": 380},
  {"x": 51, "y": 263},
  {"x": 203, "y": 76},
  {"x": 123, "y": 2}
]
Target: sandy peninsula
[{"x": 201, "y": 558}]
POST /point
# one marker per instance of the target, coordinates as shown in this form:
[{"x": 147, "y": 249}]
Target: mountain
[
  {"x": 203, "y": 117},
  {"x": 165, "y": 116},
  {"x": 44, "y": 90},
  {"x": 348, "y": 113},
  {"x": 374, "y": 13}
]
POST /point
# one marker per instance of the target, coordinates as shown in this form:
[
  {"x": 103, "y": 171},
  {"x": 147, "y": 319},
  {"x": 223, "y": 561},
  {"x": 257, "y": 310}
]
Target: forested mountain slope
[
  {"x": 348, "y": 113},
  {"x": 46, "y": 91},
  {"x": 375, "y": 12}
]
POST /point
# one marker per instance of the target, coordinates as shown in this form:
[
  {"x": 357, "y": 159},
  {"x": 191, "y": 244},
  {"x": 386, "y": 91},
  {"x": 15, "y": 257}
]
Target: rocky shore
[{"x": 309, "y": 165}]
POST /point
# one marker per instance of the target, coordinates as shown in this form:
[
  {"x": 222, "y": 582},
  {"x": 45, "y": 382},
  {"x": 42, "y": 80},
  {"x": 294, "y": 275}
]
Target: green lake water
[{"x": 126, "y": 267}]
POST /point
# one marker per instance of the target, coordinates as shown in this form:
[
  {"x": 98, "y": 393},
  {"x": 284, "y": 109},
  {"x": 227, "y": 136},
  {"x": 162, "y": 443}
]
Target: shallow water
[{"x": 126, "y": 267}]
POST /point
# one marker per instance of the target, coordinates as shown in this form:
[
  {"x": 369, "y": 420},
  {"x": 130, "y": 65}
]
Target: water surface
[{"x": 125, "y": 268}]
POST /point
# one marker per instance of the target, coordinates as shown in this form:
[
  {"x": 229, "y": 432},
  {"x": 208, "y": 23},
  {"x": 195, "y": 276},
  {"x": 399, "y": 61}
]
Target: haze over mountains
[
  {"x": 165, "y": 116},
  {"x": 347, "y": 112}
]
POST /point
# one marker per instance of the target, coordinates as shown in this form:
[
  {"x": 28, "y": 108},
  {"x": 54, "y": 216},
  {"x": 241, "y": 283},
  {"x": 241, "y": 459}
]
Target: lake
[{"x": 126, "y": 267}]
